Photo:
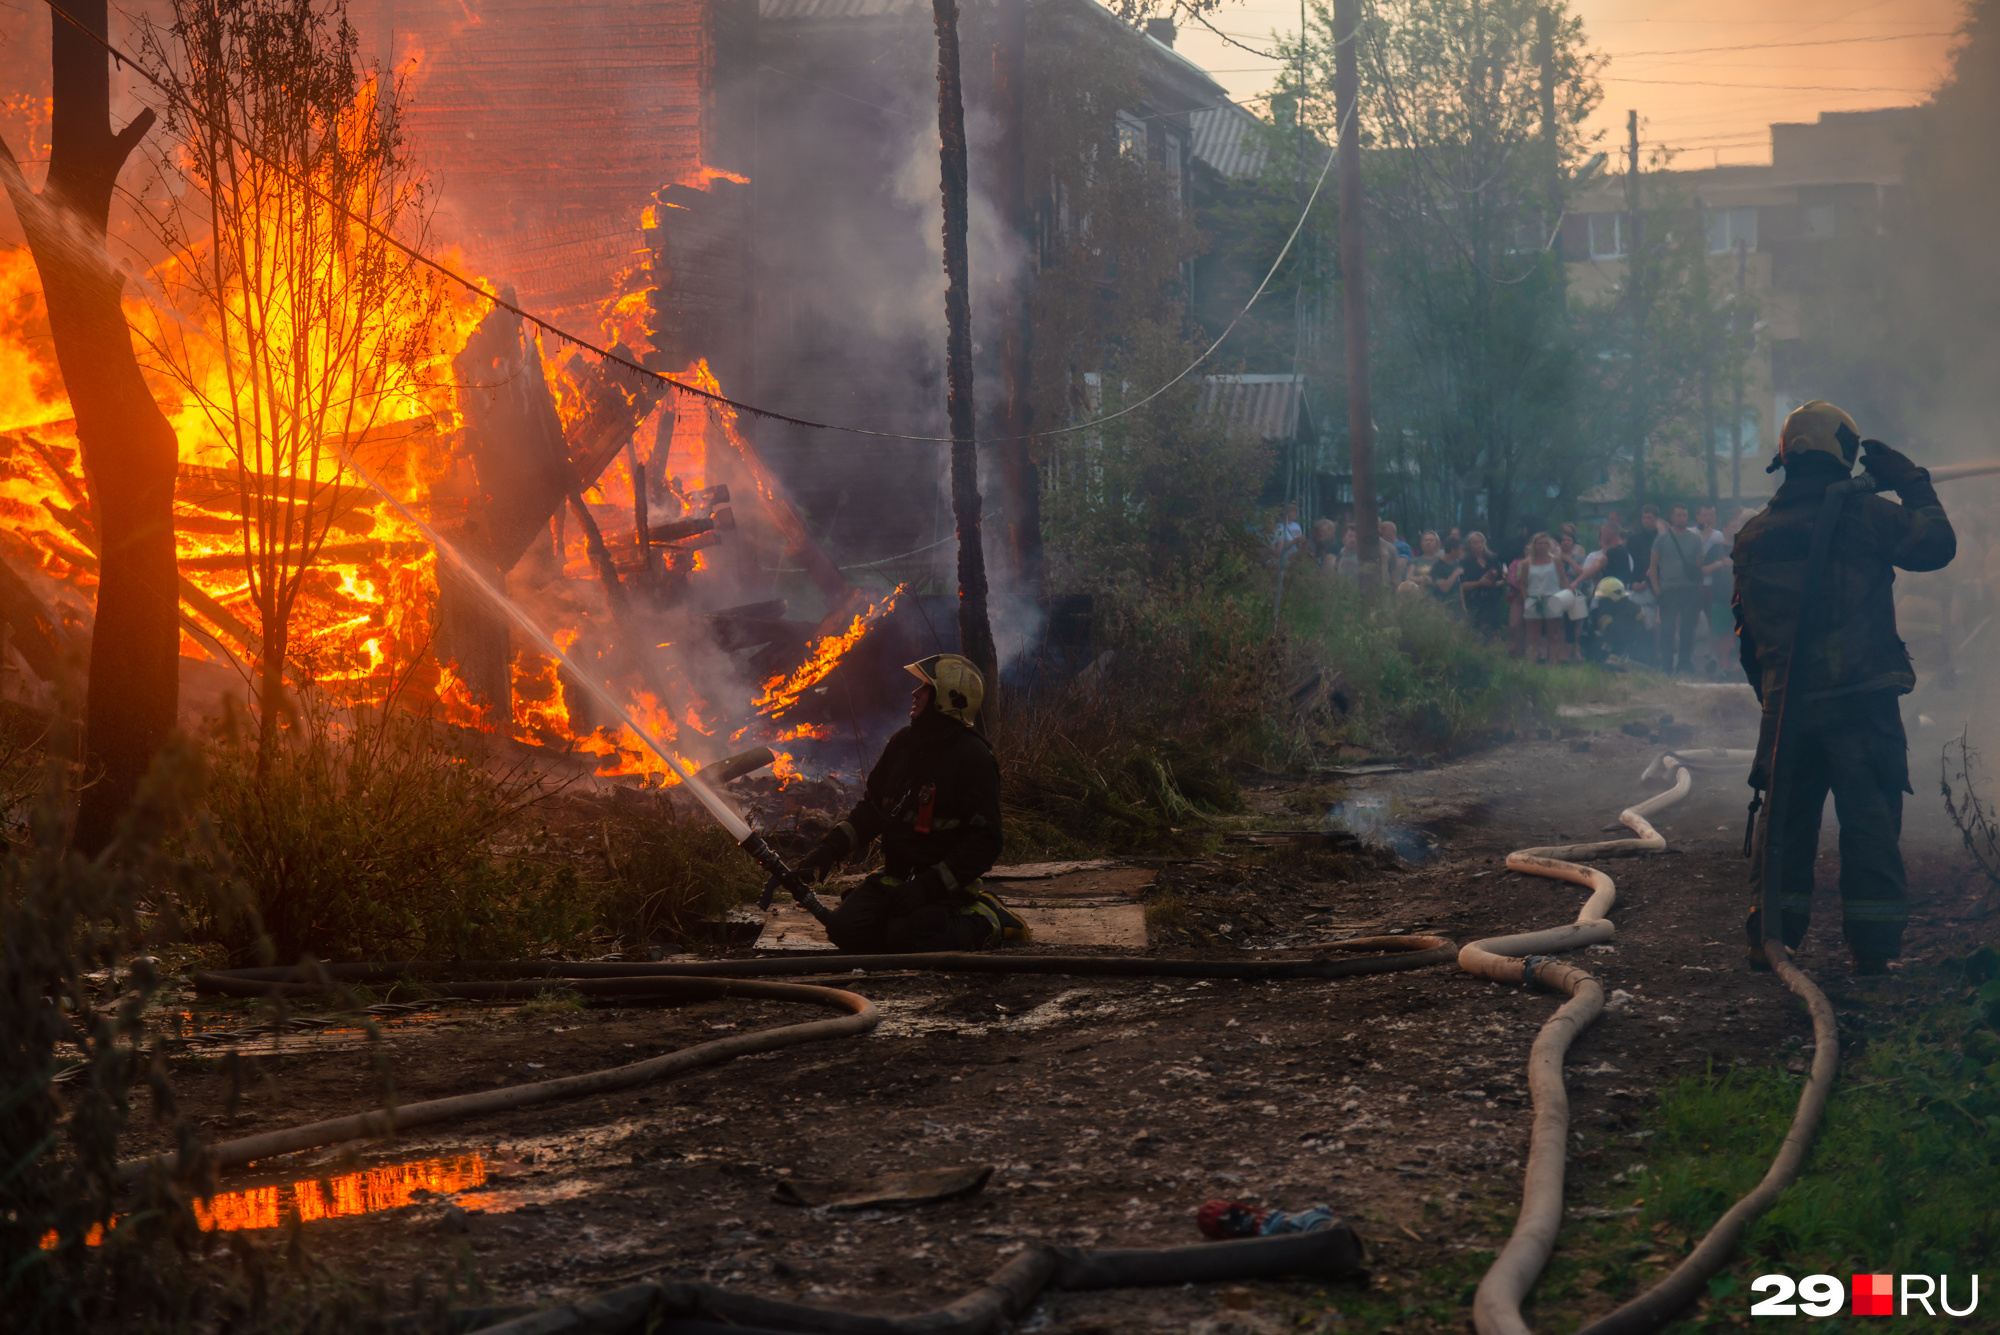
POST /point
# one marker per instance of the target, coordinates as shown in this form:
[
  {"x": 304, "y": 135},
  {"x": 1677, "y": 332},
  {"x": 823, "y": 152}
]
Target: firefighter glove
[
  {"x": 813, "y": 870},
  {"x": 1890, "y": 467}
]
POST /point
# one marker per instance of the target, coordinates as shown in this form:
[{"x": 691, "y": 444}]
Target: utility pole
[
  {"x": 975, "y": 630},
  {"x": 1739, "y": 350},
  {"x": 1020, "y": 486},
  {"x": 1705, "y": 303},
  {"x": 1354, "y": 278},
  {"x": 1636, "y": 296}
]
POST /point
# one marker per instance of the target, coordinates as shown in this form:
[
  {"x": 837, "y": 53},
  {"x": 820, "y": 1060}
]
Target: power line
[
  {"x": 1773, "y": 88},
  {"x": 1776, "y": 46}
]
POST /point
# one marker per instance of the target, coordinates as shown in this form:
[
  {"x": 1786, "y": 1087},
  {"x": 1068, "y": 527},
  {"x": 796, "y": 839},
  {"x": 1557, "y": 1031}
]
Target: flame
[
  {"x": 368, "y": 606},
  {"x": 704, "y": 176},
  {"x": 781, "y": 692}
]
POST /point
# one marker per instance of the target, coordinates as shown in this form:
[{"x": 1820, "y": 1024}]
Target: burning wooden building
[{"x": 740, "y": 197}]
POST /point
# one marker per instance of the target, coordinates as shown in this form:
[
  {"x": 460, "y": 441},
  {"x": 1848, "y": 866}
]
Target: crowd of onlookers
[{"x": 1657, "y": 595}]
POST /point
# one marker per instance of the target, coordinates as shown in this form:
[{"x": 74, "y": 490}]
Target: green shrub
[
  {"x": 378, "y": 833},
  {"x": 672, "y": 878}
]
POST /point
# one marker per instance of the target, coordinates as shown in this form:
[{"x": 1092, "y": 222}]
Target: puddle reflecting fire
[
  {"x": 371, "y": 1191},
  {"x": 364, "y": 1192}
]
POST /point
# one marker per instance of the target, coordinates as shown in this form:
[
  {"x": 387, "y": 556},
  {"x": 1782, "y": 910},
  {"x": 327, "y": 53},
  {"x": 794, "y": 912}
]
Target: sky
[{"x": 1707, "y": 77}]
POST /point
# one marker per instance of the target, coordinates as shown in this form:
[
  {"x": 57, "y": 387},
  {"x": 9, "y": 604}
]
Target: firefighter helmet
[
  {"x": 1821, "y": 426},
  {"x": 957, "y": 683}
]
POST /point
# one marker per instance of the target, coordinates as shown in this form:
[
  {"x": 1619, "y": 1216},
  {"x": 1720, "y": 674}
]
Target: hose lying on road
[
  {"x": 1496, "y": 1307},
  {"x": 701, "y": 982}
]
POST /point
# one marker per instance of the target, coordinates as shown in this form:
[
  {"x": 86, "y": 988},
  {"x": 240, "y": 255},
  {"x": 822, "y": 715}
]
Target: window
[
  {"x": 1820, "y": 221},
  {"x": 1728, "y": 226},
  {"x": 1170, "y": 157},
  {"x": 1131, "y": 135},
  {"x": 1607, "y": 236}
]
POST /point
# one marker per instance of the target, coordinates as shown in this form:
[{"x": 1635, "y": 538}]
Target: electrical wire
[{"x": 1775, "y": 46}]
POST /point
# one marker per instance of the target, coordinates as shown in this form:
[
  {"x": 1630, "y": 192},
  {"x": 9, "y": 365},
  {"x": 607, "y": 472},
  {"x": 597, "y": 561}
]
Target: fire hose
[{"x": 1496, "y": 1306}]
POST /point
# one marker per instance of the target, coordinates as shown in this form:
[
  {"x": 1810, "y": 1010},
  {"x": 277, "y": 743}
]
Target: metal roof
[
  {"x": 1270, "y": 404},
  {"x": 1223, "y": 139}
]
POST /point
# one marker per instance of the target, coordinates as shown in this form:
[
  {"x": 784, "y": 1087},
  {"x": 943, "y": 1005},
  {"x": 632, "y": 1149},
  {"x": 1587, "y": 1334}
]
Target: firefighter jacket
[
  {"x": 933, "y": 799},
  {"x": 1855, "y": 648}
]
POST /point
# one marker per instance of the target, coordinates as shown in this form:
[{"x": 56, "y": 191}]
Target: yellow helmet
[
  {"x": 1611, "y": 587},
  {"x": 1821, "y": 426},
  {"x": 959, "y": 687}
]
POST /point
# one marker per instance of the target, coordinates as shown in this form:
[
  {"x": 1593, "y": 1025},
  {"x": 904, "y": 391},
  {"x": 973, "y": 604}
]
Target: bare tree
[
  {"x": 304, "y": 325},
  {"x": 129, "y": 448}
]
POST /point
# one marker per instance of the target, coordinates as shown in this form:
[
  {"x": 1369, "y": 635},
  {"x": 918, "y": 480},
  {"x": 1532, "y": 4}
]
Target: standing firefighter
[
  {"x": 934, "y": 801},
  {"x": 1841, "y": 682}
]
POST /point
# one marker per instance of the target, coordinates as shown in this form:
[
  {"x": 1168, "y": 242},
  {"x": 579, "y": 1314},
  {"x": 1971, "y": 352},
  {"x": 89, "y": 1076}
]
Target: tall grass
[
  {"x": 1901, "y": 1176},
  {"x": 375, "y": 832},
  {"x": 671, "y": 877},
  {"x": 74, "y": 1251},
  {"x": 1092, "y": 768}
]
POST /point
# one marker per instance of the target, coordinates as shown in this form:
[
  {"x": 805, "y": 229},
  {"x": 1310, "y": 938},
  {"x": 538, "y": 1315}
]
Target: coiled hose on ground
[
  {"x": 690, "y": 1309},
  {"x": 1496, "y": 1306}
]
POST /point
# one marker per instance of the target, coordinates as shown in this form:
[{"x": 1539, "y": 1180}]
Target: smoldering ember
[{"x": 1046, "y": 665}]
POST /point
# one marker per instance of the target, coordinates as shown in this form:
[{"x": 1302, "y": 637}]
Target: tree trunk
[
  {"x": 129, "y": 449},
  {"x": 975, "y": 630},
  {"x": 1020, "y": 486}
]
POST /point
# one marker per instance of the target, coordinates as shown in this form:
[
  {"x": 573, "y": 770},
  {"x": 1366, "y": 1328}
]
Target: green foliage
[
  {"x": 377, "y": 833},
  {"x": 552, "y": 1001},
  {"x": 671, "y": 878},
  {"x": 1415, "y": 677},
  {"x": 61, "y": 918},
  {"x": 1162, "y": 495}
]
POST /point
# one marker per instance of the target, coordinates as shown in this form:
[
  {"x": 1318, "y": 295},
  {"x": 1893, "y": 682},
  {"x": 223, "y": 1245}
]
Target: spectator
[
  {"x": 1613, "y": 627},
  {"x": 1569, "y": 562},
  {"x": 1517, "y": 621},
  {"x": 1432, "y": 571},
  {"x": 1348, "y": 564},
  {"x": 1325, "y": 542},
  {"x": 1287, "y": 538},
  {"x": 1545, "y": 602},
  {"x": 1676, "y": 580},
  {"x": 1479, "y": 577},
  {"x": 1641, "y": 588},
  {"x": 1389, "y": 536},
  {"x": 1719, "y": 564},
  {"x": 1611, "y": 560}
]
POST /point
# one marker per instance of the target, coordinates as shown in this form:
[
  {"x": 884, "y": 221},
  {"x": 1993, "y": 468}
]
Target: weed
[
  {"x": 75, "y": 1248},
  {"x": 671, "y": 877},
  {"x": 1166, "y": 916},
  {"x": 376, "y": 832},
  {"x": 553, "y": 1001},
  {"x": 1085, "y": 769}
]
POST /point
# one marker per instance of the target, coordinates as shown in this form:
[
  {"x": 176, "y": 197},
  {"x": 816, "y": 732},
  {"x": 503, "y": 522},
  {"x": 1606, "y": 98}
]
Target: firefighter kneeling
[
  {"x": 933, "y": 799},
  {"x": 1842, "y": 685}
]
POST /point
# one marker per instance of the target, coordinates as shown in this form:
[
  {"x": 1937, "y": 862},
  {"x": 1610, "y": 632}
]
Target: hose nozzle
[{"x": 782, "y": 875}]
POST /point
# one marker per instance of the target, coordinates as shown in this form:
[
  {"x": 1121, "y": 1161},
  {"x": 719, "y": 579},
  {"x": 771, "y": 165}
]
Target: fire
[
  {"x": 368, "y": 608},
  {"x": 780, "y": 693}
]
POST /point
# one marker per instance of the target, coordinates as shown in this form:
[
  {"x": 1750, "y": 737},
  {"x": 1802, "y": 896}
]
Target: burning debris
[{"x": 634, "y": 519}]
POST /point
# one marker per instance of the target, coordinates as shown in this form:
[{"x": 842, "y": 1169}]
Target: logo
[
  {"x": 1874, "y": 1295},
  {"x": 1871, "y": 1295}
]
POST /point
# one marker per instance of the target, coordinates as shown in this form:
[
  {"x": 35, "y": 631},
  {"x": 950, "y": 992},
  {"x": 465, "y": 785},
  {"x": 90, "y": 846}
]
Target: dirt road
[{"x": 1112, "y": 1108}]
